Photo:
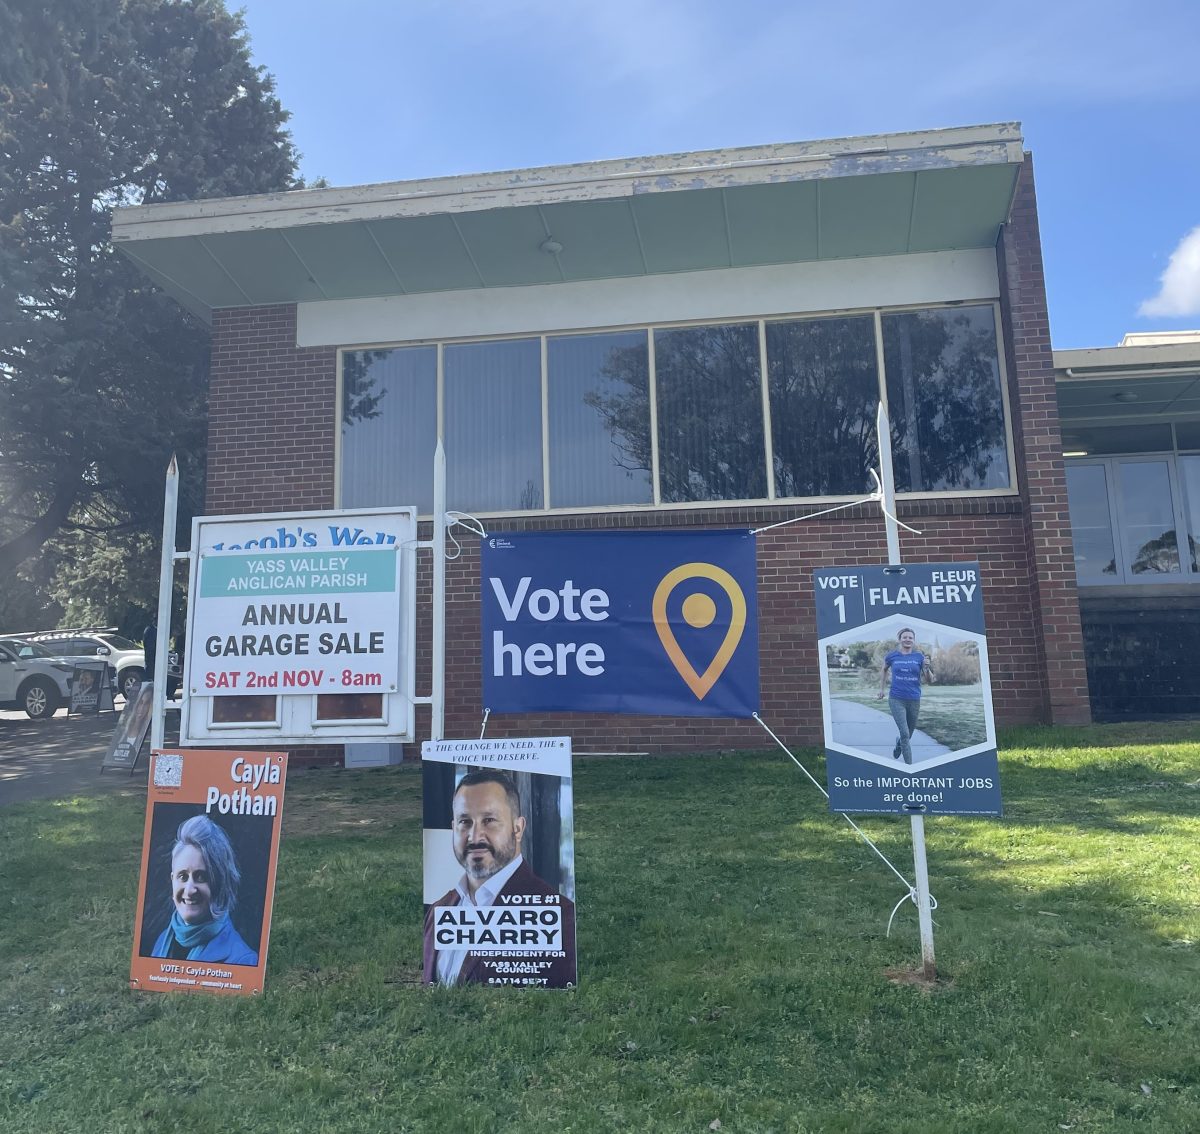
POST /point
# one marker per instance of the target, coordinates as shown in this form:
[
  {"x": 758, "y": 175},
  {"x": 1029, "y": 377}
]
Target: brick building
[
  {"x": 1131, "y": 434},
  {"x": 689, "y": 340}
]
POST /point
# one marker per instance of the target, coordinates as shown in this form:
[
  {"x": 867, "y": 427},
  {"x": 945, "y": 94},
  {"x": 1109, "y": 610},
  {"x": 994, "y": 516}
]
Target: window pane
[
  {"x": 824, "y": 388},
  {"x": 258, "y": 708},
  {"x": 710, "y": 428},
  {"x": 1147, "y": 518},
  {"x": 599, "y": 395},
  {"x": 1091, "y": 523},
  {"x": 1187, "y": 434},
  {"x": 1099, "y": 440},
  {"x": 493, "y": 421},
  {"x": 1189, "y": 470},
  {"x": 349, "y": 706},
  {"x": 389, "y": 427},
  {"x": 944, "y": 400}
]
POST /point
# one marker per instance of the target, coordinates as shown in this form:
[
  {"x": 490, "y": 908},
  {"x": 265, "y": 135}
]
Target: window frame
[
  {"x": 657, "y": 504},
  {"x": 1116, "y": 509}
]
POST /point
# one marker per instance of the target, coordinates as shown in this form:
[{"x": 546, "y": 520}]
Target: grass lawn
[{"x": 732, "y": 956}]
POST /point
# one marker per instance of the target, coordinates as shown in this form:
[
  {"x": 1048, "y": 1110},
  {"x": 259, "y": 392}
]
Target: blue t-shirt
[{"x": 906, "y": 674}]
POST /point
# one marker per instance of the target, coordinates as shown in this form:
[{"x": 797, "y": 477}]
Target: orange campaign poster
[{"x": 208, "y": 871}]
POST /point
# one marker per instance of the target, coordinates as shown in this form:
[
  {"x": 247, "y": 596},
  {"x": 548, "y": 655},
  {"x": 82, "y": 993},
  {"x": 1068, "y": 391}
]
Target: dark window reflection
[
  {"x": 599, "y": 417},
  {"x": 1091, "y": 523},
  {"x": 349, "y": 706},
  {"x": 389, "y": 427},
  {"x": 824, "y": 387},
  {"x": 259, "y": 708},
  {"x": 710, "y": 424},
  {"x": 1148, "y": 517},
  {"x": 1189, "y": 470},
  {"x": 493, "y": 422},
  {"x": 944, "y": 400}
]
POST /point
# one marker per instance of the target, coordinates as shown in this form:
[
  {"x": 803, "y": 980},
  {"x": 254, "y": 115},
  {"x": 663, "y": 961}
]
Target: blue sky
[{"x": 1108, "y": 94}]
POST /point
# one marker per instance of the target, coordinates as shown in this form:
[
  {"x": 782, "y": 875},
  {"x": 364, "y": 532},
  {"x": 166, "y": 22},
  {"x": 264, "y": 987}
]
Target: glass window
[
  {"x": 599, "y": 420},
  {"x": 257, "y": 708},
  {"x": 711, "y": 443},
  {"x": 1187, "y": 434},
  {"x": 944, "y": 400},
  {"x": 824, "y": 388},
  {"x": 1091, "y": 523},
  {"x": 492, "y": 401},
  {"x": 349, "y": 706},
  {"x": 1100, "y": 440},
  {"x": 389, "y": 427},
  {"x": 1189, "y": 473},
  {"x": 1147, "y": 517}
]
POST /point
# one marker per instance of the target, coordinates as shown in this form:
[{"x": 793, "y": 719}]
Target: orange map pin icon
[{"x": 699, "y": 610}]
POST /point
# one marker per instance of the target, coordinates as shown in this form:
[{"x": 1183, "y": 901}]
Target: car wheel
[
  {"x": 39, "y": 699},
  {"x": 131, "y": 680}
]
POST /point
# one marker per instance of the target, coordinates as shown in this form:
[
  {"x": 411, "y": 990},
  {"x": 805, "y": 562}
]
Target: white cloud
[{"x": 1179, "y": 290}]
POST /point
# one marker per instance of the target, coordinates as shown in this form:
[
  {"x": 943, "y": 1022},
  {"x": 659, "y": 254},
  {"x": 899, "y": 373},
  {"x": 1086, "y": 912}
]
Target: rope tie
[{"x": 464, "y": 520}]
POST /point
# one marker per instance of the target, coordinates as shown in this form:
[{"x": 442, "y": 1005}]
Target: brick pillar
[
  {"x": 272, "y": 415},
  {"x": 1040, "y": 475}
]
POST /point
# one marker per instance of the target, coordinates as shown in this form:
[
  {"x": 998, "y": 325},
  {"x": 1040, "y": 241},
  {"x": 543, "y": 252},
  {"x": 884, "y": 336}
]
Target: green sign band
[{"x": 328, "y": 572}]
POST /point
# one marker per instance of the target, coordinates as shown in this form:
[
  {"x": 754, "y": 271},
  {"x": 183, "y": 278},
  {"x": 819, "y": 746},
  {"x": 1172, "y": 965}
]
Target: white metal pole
[
  {"x": 437, "y": 728},
  {"x": 920, "y": 865},
  {"x": 166, "y": 578}
]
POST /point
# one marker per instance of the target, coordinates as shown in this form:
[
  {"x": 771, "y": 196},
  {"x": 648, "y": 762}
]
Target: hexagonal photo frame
[{"x": 954, "y": 716}]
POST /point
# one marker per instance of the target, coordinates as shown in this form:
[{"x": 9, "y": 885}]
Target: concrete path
[
  {"x": 60, "y": 757},
  {"x": 874, "y": 731}
]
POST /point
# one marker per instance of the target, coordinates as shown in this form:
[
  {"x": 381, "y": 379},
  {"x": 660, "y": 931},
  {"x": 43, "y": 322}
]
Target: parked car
[
  {"x": 126, "y": 657},
  {"x": 37, "y": 685},
  {"x": 25, "y": 648}
]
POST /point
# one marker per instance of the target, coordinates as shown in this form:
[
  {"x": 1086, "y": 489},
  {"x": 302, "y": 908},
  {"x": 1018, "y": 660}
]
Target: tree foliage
[{"x": 106, "y": 103}]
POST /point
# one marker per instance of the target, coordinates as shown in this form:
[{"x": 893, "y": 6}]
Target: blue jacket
[{"x": 227, "y": 947}]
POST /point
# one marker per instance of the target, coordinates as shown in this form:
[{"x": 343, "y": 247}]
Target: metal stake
[
  {"x": 437, "y": 727},
  {"x": 166, "y": 578},
  {"x": 920, "y": 864}
]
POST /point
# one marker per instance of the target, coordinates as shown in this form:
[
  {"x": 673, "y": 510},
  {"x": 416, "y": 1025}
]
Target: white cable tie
[
  {"x": 465, "y": 520},
  {"x": 878, "y": 495},
  {"x": 911, "y": 896},
  {"x": 906, "y": 527},
  {"x": 483, "y": 728}
]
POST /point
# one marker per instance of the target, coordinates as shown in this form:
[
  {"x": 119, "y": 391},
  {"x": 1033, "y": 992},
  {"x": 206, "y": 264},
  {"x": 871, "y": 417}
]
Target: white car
[
  {"x": 126, "y": 657},
  {"x": 38, "y": 685}
]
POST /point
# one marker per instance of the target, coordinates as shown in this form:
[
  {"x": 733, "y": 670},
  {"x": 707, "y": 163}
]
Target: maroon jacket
[{"x": 544, "y": 972}]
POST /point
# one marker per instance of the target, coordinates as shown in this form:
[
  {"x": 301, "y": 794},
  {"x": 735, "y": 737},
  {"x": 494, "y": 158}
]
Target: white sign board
[
  {"x": 301, "y": 627},
  {"x": 295, "y": 622}
]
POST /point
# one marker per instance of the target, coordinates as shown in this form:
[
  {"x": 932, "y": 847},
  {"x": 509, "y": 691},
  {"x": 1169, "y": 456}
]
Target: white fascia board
[
  {"x": 732, "y": 293},
  {"x": 709, "y": 169},
  {"x": 1123, "y": 358}
]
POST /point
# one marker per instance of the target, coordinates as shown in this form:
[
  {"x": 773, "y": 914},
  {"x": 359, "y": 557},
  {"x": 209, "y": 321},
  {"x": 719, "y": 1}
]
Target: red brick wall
[
  {"x": 1038, "y": 443},
  {"x": 271, "y": 422}
]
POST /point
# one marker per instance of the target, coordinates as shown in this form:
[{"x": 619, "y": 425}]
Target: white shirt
[{"x": 450, "y": 961}]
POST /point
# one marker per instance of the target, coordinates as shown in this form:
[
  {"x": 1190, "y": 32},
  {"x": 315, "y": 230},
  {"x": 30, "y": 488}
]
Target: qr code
[{"x": 168, "y": 771}]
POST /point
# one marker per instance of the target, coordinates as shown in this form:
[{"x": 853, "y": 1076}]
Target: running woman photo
[{"x": 907, "y": 667}]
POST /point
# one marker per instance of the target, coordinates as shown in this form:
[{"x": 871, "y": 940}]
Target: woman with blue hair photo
[{"x": 204, "y": 886}]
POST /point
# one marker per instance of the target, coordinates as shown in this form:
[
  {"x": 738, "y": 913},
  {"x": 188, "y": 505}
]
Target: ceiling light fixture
[
  {"x": 1125, "y": 396},
  {"x": 551, "y": 246}
]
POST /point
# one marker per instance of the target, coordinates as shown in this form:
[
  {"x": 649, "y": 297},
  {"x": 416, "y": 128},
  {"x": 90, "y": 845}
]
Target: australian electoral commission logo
[{"x": 627, "y": 622}]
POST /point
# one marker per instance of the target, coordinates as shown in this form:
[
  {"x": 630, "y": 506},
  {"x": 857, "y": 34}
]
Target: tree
[{"x": 106, "y": 103}]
